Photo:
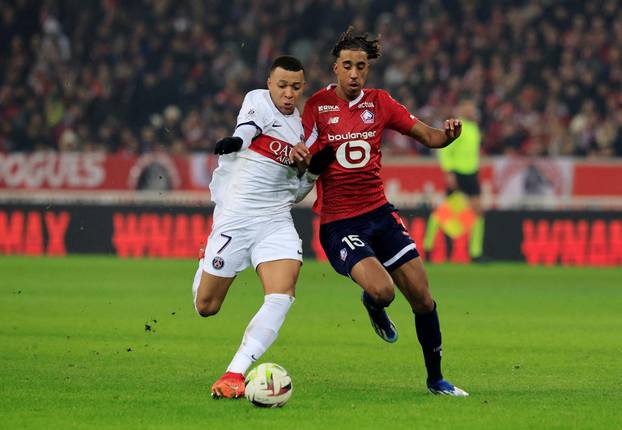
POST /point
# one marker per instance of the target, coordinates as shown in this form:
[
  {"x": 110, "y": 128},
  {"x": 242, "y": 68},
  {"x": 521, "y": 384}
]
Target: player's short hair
[
  {"x": 350, "y": 41},
  {"x": 287, "y": 62}
]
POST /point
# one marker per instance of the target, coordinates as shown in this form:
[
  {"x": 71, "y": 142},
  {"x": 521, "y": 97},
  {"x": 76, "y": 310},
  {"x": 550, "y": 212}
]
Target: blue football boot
[
  {"x": 444, "y": 388},
  {"x": 380, "y": 321}
]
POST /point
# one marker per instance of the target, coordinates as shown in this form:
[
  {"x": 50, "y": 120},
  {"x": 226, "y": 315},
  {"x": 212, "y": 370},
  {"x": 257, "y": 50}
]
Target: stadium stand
[{"x": 134, "y": 77}]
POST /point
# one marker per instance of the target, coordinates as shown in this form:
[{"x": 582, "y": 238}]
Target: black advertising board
[{"x": 536, "y": 237}]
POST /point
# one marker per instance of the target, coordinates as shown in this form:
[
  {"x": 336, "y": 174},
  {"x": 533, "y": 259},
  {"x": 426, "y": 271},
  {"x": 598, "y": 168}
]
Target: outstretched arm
[{"x": 435, "y": 137}]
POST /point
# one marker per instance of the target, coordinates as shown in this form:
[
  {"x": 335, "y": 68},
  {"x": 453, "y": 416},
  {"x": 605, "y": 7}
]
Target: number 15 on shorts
[{"x": 352, "y": 240}]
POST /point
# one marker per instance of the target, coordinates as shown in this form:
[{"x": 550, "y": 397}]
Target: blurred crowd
[{"x": 170, "y": 75}]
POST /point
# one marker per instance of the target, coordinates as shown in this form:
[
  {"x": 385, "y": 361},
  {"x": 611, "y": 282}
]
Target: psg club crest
[
  {"x": 343, "y": 254},
  {"x": 367, "y": 116},
  {"x": 218, "y": 263}
]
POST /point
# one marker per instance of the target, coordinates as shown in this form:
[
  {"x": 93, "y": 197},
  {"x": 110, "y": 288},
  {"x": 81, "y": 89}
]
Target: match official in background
[{"x": 460, "y": 164}]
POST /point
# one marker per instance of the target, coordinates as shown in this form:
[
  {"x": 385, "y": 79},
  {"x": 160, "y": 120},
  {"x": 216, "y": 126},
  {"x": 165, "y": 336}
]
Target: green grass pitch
[{"x": 538, "y": 348}]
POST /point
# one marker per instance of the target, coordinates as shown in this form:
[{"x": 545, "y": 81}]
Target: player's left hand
[
  {"x": 300, "y": 156},
  {"x": 453, "y": 128}
]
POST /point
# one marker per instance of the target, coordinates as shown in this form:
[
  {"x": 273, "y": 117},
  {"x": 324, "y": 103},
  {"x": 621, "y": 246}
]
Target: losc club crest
[
  {"x": 218, "y": 263},
  {"x": 367, "y": 116},
  {"x": 343, "y": 254}
]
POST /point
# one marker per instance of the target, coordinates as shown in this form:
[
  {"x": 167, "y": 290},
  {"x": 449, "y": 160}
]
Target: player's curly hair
[{"x": 349, "y": 40}]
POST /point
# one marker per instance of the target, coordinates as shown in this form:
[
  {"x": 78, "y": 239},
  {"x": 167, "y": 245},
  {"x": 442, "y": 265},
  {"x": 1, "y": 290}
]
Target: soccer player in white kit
[{"x": 261, "y": 174}]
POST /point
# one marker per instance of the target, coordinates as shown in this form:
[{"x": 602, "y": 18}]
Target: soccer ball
[{"x": 268, "y": 386}]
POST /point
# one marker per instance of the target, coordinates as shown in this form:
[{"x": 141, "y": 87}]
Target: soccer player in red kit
[{"x": 361, "y": 232}]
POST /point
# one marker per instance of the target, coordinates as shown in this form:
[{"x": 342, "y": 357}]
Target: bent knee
[
  {"x": 382, "y": 294},
  {"x": 206, "y": 308}
]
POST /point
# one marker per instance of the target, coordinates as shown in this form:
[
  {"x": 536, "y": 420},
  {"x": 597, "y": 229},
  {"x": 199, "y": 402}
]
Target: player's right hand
[
  {"x": 300, "y": 156},
  {"x": 228, "y": 145},
  {"x": 321, "y": 160},
  {"x": 453, "y": 128}
]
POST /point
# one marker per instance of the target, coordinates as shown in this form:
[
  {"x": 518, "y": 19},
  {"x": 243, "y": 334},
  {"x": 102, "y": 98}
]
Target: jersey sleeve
[
  {"x": 398, "y": 117},
  {"x": 311, "y": 130},
  {"x": 310, "y": 126},
  {"x": 254, "y": 111}
]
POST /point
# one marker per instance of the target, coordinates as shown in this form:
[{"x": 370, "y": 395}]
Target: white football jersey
[{"x": 258, "y": 180}]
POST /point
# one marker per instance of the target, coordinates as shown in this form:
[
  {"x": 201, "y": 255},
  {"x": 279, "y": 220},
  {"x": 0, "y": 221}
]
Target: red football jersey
[{"x": 352, "y": 185}]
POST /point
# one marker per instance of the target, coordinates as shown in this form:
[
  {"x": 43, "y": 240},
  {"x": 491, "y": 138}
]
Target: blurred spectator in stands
[{"x": 546, "y": 77}]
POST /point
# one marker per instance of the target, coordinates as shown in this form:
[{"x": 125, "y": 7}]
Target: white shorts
[{"x": 236, "y": 243}]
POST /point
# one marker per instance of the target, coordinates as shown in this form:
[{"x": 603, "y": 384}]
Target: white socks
[{"x": 261, "y": 331}]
